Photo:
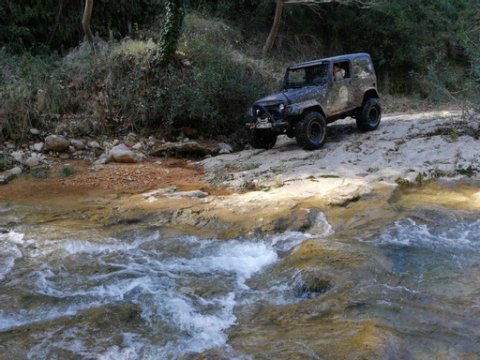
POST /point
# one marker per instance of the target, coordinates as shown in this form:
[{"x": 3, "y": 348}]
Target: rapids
[{"x": 409, "y": 289}]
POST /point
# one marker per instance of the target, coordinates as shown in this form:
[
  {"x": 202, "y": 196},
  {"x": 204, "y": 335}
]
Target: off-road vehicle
[{"x": 314, "y": 94}]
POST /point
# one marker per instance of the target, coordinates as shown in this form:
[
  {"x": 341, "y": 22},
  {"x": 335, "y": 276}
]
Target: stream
[{"x": 407, "y": 289}]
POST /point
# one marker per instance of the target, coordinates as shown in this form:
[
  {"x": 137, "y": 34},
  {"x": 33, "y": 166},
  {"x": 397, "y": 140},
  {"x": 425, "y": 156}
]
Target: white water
[
  {"x": 187, "y": 288},
  {"x": 9, "y": 251},
  {"x": 410, "y": 233}
]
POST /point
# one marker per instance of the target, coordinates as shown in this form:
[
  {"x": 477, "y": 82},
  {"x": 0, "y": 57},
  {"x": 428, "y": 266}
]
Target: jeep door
[
  {"x": 340, "y": 97},
  {"x": 364, "y": 78}
]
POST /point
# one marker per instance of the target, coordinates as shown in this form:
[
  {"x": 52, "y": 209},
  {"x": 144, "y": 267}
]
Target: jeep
[{"x": 314, "y": 94}]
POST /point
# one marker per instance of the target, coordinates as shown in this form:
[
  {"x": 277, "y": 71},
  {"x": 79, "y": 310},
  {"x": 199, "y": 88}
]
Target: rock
[
  {"x": 9, "y": 175},
  {"x": 310, "y": 284},
  {"x": 6, "y": 177},
  {"x": 188, "y": 148},
  {"x": 346, "y": 194},
  {"x": 224, "y": 148},
  {"x": 188, "y": 194},
  {"x": 137, "y": 146},
  {"x": 152, "y": 195},
  {"x": 34, "y": 131},
  {"x": 56, "y": 143},
  {"x": 116, "y": 142},
  {"x": 64, "y": 156},
  {"x": 121, "y": 153},
  {"x": 17, "y": 156},
  {"x": 33, "y": 160},
  {"x": 101, "y": 160},
  {"x": 38, "y": 147},
  {"x": 17, "y": 170},
  {"x": 94, "y": 145},
  {"x": 152, "y": 141},
  {"x": 10, "y": 145},
  {"x": 78, "y": 144},
  {"x": 131, "y": 137}
]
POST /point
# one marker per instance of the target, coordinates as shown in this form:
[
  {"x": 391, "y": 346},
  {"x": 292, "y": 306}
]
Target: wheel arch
[
  {"x": 370, "y": 93},
  {"x": 316, "y": 108}
]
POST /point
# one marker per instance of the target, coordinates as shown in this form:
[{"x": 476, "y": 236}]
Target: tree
[
  {"x": 87, "y": 16},
  {"x": 171, "y": 30},
  {"x": 272, "y": 36}
]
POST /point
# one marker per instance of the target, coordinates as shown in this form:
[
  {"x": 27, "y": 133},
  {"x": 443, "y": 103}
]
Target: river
[{"x": 406, "y": 288}]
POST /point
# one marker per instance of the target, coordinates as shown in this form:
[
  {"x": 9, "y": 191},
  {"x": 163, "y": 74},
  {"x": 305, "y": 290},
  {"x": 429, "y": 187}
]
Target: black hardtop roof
[{"x": 330, "y": 59}]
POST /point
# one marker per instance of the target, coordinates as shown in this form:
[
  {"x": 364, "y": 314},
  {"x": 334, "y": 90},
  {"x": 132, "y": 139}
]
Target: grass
[
  {"x": 454, "y": 135},
  {"x": 67, "y": 171},
  {"x": 403, "y": 182},
  {"x": 40, "y": 173}
]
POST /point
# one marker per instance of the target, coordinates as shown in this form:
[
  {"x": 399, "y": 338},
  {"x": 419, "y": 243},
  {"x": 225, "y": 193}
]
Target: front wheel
[
  {"x": 369, "y": 116},
  {"x": 262, "y": 139},
  {"x": 311, "y": 131}
]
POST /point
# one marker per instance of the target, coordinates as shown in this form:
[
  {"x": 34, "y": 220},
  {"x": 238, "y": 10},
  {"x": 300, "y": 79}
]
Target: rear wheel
[
  {"x": 262, "y": 139},
  {"x": 369, "y": 116},
  {"x": 311, "y": 131}
]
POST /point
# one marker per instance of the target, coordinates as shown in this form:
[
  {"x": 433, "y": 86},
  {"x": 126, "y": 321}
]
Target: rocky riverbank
[{"x": 252, "y": 191}]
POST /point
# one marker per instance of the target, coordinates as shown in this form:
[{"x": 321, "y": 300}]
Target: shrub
[
  {"x": 40, "y": 173},
  {"x": 3, "y": 164},
  {"x": 67, "y": 171}
]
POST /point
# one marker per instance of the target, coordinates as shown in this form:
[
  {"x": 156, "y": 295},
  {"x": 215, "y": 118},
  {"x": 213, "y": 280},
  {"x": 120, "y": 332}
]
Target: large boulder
[
  {"x": 56, "y": 143},
  {"x": 121, "y": 153}
]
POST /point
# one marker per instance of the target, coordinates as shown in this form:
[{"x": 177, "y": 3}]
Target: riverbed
[{"x": 403, "y": 284}]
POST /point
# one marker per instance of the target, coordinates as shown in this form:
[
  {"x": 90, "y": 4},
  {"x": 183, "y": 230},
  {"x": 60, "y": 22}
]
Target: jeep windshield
[{"x": 306, "y": 76}]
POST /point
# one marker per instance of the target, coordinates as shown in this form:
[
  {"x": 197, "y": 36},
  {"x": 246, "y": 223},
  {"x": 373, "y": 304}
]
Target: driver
[{"x": 338, "y": 72}]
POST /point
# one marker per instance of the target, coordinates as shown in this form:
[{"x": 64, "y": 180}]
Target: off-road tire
[
  {"x": 311, "y": 131},
  {"x": 369, "y": 115},
  {"x": 262, "y": 139}
]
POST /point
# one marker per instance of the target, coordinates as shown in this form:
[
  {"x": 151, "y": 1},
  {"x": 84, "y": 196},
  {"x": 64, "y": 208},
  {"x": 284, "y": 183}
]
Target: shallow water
[{"x": 409, "y": 290}]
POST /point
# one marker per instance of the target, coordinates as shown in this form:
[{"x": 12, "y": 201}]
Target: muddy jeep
[{"x": 314, "y": 94}]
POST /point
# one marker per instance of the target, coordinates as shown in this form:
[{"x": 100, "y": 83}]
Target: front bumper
[{"x": 266, "y": 120}]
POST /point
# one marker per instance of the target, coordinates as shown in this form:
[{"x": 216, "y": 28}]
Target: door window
[
  {"x": 362, "y": 68},
  {"x": 341, "y": 70}
]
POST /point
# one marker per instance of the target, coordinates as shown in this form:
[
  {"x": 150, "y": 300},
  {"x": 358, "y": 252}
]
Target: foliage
[
  {"x": 40, "y": 173},
  {"x": 127, "y": 86},
  {"x": 3, "y": 163},
  {"x": 171, "y": 29},
  {"x": 54, "y": 24},
  {"x": 68, "y": 171}
]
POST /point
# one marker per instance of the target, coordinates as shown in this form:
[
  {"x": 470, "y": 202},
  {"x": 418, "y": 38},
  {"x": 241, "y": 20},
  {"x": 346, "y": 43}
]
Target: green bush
[
  {"x": 40, "y": 173},
  {"x": 3, "y": 164},
  {"x": 68, "y": 171}
]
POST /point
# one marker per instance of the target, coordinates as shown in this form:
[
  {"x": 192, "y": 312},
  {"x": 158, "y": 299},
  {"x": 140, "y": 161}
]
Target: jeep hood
[{"x": 289, "y": 96}]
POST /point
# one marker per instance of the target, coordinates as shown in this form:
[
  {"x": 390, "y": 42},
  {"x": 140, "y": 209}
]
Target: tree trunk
[
  {"x": 87, "y": 15},
  {"x": 275, "y": 27},
  {"x": 171, "y": 29}
]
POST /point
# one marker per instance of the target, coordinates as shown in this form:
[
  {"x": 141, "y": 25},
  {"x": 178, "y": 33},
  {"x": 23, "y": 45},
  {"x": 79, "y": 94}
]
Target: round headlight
[{"x": 281, "y": 107}]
